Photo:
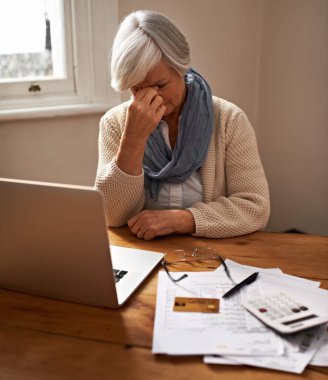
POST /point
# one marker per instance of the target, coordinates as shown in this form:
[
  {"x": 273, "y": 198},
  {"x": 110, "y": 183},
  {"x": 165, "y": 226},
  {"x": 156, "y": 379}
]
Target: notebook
[{"x": 54, "y": 243}]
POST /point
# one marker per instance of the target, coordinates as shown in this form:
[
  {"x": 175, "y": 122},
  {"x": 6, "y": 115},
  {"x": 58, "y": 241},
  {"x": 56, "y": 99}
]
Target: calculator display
[{"x": 300, "y": 319}]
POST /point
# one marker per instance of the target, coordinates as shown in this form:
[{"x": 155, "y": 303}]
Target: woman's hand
[
  {"x": 144, "y": 113},
  {"x": 151, "y": 223}
]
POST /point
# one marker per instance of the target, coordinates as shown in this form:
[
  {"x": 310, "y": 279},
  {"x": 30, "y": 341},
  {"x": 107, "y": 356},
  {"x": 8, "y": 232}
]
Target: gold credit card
[{"x": 198, "y": 305}]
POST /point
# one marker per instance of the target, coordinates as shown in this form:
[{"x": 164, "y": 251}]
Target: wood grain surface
[{"x": 41, "y": 338}]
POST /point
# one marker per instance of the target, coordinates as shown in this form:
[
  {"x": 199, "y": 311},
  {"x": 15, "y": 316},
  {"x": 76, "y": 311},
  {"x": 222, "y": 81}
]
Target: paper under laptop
[{"x": 54, "y": 243}]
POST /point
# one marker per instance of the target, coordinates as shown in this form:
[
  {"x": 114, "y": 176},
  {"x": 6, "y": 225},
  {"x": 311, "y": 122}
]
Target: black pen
[{"x": 245, "y": 282}]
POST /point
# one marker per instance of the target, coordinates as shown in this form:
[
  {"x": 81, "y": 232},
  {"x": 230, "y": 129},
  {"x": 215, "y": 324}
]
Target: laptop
[{"x": 54, "y": 243}]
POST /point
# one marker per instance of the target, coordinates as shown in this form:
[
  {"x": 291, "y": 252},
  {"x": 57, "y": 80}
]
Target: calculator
[{"x": 283, "y": 313}]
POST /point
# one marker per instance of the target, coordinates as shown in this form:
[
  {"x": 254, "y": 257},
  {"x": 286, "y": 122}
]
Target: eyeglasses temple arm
[
  {"x": 226, "y": 269},
  {"x": 169, "y": 274}
]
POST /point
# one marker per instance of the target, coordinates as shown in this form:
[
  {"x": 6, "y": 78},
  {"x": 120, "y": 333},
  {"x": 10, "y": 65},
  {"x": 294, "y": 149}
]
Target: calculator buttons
[{"x": 282, "y": 312}]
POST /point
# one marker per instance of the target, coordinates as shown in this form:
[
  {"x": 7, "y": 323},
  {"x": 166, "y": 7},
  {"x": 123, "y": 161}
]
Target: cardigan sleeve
[
  {"x": 123, "y": 193},
  {"x": 245, "y": 206}
]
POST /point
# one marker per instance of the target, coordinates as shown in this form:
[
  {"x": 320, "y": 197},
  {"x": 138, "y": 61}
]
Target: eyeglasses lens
[
  {"x": 181, "y": 255},
  {"x": 176, "y": 255},
  {"x": 204, "y": 253}
]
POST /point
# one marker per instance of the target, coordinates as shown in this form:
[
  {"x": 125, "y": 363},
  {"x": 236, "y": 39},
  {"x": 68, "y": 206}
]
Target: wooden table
[{"x": 45, "y": 339}]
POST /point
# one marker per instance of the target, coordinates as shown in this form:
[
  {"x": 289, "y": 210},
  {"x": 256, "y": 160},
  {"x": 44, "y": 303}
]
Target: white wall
[
  {"x": 58, "y": 149},
  {"x": 267, "y": 56},
  {"x": 293, "y": 112}
]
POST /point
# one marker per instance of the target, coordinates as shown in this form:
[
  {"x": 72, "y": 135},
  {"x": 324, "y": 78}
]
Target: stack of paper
[{"x": 233, "y": 335}]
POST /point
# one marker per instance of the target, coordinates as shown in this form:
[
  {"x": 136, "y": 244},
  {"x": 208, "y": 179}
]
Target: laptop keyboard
[{"x": 119, "y": 274}]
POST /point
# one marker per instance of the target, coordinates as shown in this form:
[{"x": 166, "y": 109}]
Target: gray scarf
[{"x": 196, "y": 124}]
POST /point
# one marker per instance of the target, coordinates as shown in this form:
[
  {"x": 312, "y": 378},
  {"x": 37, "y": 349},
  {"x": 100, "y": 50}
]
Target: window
[
  {"x": 34, "y": 57},
  {"x": 28, "y": 51},
  {"x": 54, "y": 60}
]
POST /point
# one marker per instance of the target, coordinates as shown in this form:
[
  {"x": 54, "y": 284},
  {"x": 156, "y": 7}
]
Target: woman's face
[{"x": 169, "y": 84}]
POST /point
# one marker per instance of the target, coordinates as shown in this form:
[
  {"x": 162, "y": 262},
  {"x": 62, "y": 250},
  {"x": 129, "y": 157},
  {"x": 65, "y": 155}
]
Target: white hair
[{"x": 142, "y": 40}]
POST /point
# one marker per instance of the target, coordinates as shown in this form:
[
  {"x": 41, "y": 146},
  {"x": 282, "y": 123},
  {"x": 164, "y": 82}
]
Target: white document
[
  {"x": 298, "y": 352},
  {"x": 321, "y": 356},
  {"x": 299, "y": 348},
  {"x": 232, "y": 331},
  {"x": 218, "y": 359},
  {"x": 274, "y": 275}
]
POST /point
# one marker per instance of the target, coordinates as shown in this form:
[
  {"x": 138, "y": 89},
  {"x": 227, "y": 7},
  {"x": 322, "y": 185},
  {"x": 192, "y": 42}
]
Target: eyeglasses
[{"x": 198, "y": 254}]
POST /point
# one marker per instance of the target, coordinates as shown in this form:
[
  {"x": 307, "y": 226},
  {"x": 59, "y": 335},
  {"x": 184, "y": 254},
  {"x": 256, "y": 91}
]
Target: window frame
[{"x": 89, "y": 29}]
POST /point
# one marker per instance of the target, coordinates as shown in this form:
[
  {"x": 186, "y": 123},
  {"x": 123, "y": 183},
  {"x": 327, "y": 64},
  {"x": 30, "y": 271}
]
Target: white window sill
[{"x": 53, "y": 111}]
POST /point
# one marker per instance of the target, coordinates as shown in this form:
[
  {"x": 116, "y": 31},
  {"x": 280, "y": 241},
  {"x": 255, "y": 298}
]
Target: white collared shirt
[{"x": 176, "y": 195}]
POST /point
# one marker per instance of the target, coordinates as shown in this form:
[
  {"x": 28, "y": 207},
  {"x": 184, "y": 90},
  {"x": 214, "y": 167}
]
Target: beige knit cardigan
[{"x": 235, "y": 190}]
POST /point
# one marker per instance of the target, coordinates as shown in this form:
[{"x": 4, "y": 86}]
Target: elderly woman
[{"x": 174, "y": 158}]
